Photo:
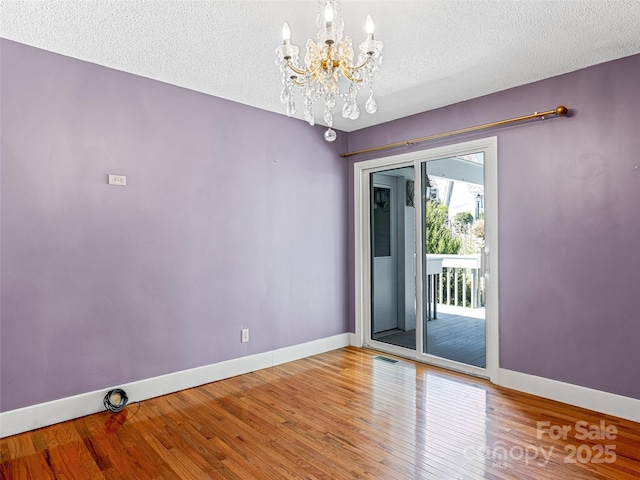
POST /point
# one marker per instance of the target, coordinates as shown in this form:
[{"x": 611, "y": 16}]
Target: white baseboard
[
  {"x": 597, "y": 400},
  {"x": 49, "y": 413},
  {"x": 43, "y": 414}
]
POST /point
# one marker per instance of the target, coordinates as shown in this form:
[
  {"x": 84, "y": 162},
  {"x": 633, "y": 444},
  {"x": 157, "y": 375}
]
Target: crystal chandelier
[{"x": 331, "y": 70}]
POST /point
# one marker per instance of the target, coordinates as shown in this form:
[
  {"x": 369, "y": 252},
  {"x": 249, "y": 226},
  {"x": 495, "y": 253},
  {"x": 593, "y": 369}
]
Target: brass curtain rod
[{"x": 560, "y": 111}]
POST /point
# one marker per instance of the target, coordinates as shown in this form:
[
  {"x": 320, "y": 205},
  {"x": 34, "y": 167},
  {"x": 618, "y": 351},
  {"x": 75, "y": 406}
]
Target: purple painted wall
[
  {"x": 232, "y": 218},
  {"x": 227, "y": 222},
  {"x": 569, "y": 221}
]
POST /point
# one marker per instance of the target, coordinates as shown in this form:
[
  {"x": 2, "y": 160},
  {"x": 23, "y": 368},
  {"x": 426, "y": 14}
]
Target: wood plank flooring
[{"x": 338, "y": 415}]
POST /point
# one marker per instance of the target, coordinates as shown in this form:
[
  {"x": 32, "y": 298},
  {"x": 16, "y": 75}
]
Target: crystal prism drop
[
  {"x": 371, "y": 106},
  {"x": 355, "y": 112},
  {"x": 308, "y": 115},
  {"x": 347, "y": 110},
  {"x": 291, "y": 107},
  {"x": 330, "y": 135},
  {"x": 328, "y": 118}
]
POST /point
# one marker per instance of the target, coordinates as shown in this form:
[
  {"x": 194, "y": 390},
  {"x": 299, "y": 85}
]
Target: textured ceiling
[{"x": 436, "y": 52}]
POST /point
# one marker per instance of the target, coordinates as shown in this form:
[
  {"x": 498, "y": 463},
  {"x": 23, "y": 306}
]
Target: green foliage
[
  {"x": 440, "y": 238},
  {"x": 461, "y": 221},
  {"x": 463, "y": 218}
]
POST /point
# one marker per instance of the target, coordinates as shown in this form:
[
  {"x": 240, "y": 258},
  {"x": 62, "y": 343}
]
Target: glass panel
[
  {"x": 453, "y": 212},
  {"x": 393, "y": 283}
]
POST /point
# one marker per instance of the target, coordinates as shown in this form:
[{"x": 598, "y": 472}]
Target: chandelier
[{"x": 331, "y": 69}]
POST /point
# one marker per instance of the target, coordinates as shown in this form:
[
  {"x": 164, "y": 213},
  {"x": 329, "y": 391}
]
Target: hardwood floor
[{"x": 339, "y": 415}]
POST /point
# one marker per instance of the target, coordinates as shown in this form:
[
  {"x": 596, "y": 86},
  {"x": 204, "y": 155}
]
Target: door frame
[{"x": 362, "y": 172}]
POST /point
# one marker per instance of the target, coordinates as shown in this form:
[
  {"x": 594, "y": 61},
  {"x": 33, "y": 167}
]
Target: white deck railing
[{"x": 446, "y": 286}]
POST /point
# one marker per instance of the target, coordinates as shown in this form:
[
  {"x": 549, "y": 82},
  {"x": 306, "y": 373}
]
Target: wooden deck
[
  {"x": 339, "y": 415},
  {"x": 454, "y": 336}
]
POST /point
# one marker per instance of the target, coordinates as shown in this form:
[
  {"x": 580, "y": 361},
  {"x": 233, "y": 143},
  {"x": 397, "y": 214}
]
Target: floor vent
[{"x": 385, "y": 359}]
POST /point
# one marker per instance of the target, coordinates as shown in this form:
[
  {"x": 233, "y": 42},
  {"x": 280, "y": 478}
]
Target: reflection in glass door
[
  {"x": 393, "y": 287},
  {"x": 454, "y": 326}
]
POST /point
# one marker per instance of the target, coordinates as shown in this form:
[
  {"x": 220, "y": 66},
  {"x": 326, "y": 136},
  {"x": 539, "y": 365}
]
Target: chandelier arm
[
  {"x": 313, "y": 72},
  {"x": 348, "y": 76},
  {"x": 313, "y": 75},
  {"x": 294, "y": 69},
  {"x": 362, "y": 65}
]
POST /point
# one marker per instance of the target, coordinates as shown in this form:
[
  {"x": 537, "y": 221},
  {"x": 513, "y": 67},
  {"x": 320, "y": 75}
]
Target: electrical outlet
[
  {"x": 117, "y": 180},
  {"x": 245, "y": 335}
]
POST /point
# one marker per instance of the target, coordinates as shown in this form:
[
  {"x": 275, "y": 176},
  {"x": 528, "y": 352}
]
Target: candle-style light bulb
[
  {"x": 369, "y": 26},
  {"x": 328, "y": 13},
  {"x": 286, "y": 32},
  {"x": 329, "y": 32}
]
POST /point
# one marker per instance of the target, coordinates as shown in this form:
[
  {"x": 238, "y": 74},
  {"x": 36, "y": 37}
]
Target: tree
[
  {"x": 461, "y": 221},
  {"x": 440, "y": 238}
]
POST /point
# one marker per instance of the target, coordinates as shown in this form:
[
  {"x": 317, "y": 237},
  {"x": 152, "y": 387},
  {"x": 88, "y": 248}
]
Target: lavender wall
[
  {"x": 569, "y": 221},
  {"x": 228, "y": 223},
  {"x": 232, "y": 218}
]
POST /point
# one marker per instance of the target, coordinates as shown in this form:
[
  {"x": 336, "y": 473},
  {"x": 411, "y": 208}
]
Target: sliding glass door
[
  {"x": 453, "y": 227},
  {"x": 425, "y": 224}
]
